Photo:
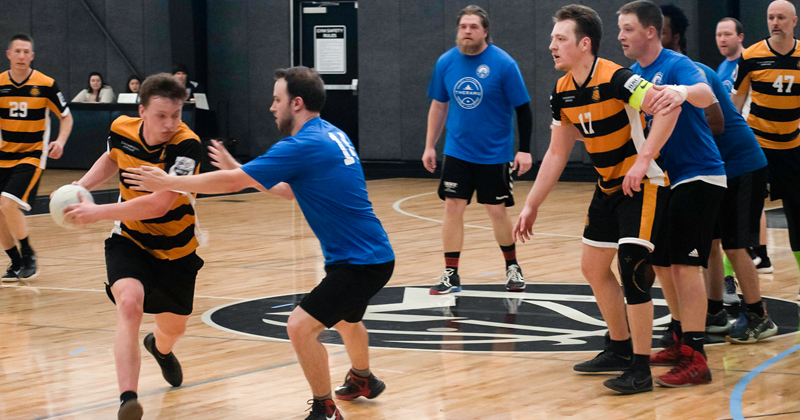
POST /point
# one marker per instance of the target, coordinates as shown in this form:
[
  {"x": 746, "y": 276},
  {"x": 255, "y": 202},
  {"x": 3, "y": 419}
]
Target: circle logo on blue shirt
[
  {"x": 468, "y": 92},
  {"x": 657, "y": 78},
  {"x": 483, "y": 71}
]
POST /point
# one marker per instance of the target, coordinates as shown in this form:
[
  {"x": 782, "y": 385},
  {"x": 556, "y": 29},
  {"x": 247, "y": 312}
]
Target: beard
[
  {"x": 469, "y": 49},
  {"x": 285, "y": 125}
]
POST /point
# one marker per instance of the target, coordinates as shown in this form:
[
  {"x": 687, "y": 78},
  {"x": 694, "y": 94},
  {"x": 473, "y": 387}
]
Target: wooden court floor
[{"x": 57, "y": 331}]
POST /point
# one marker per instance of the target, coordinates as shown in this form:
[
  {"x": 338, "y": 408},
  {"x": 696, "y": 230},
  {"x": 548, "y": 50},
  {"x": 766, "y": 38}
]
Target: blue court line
[
  {"x": 77, "y": 351},
  {"x": 486, "y": 274},
  {"x": 281, "y": 306},
  {"x": 738, "y": 390}
]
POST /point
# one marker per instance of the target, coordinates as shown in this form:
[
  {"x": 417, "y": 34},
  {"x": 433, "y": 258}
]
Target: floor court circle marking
[{"x": 738, "y": 391}]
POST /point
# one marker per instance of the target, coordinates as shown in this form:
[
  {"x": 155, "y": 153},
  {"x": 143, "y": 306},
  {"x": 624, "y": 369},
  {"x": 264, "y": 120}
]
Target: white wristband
[{"x": 682, "y": 90}]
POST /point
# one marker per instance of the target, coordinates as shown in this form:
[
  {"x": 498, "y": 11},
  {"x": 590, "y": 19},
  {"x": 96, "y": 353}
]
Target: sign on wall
[{"x": 330, "y": 53}]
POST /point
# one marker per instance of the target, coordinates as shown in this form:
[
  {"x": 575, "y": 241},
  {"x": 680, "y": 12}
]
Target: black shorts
[
  {"x": 168, "y": 284},
  {"x": 460, "y": 179},
  {"x": 20, "y": 182},
  {"x": 345, "y": 292},
  {"x": 618, "y": 219},
  {"x": 739, "y": 221},
  {"x": 784, "y": 172},
  {"x": 686, "y": 233}
]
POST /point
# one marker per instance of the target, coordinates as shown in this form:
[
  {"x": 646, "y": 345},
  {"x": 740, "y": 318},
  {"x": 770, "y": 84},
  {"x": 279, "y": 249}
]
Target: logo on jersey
[
  {"x": 468, "y": 92},
  {"x": 483, "y": 71},
  {"x": 61, "y": 99},
  {"x": 35, "y": 91},
  {"x": 633, "y": 82},
  {"x": 547, "y": 318},
  {"x": 183, "y": 166},
  {"x": 657, "y": 78},
  {"x": 596, "y": 94},
  {"x": 728, "y": 85}
]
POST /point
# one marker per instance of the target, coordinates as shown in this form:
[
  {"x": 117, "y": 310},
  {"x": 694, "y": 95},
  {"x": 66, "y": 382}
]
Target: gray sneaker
[
  {"x": 751, "y": 329},
  {"x": 515, "y": 283},
  {"x": 729, "y": 296}
]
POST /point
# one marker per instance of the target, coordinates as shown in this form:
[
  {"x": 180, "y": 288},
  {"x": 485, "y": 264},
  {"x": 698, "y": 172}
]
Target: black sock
[
  {"x": 677, "y": 328},
  {"x": 510, "y": 254},
  {"x": 451, "y": 260},
  {"x": 761, "y": 251},
  {"x": 756, "y": 308},
  {"x": 641, "y": 363},
  {"x": 16, "y": 258},
  {"x": 127, "y": 395},
  {"x": 622, "y": 347},
  {"x": 695, "y": 339},
  {"x": 714, "y": 306},
  {"x": 25, "y": 247}
]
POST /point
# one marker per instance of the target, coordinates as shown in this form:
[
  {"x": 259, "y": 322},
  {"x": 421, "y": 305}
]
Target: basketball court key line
[{"x": 738, "y": 390}]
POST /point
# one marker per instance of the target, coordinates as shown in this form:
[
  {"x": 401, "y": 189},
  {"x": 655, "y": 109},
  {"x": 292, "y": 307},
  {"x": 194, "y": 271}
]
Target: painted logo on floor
[{"x": 548, "y": 318}]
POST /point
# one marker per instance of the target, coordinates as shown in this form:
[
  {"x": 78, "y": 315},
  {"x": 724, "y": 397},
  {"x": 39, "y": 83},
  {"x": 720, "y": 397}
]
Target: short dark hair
[
  {"x": 587, "y": 23},
  {"x": 305, "y": 83},
  {"x": 180, "y": 67},
  {"x": 477, "y": 11},
  {"x": 739, "y": 26},
  {"x": 162, "y": 85},
  {"x": 89, "y": 84},
  {"x": 648, "y": 13},
  {"x": 21, "y": 37},
  {"x": 128, "y": 83},
  {"x": 678, "y": 23}
]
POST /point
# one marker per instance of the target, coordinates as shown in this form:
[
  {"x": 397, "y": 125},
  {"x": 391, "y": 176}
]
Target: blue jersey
[
  {"x": 483, "y": 91},
  {"x": 725, "y": 72},
  {"x": 690, "y": 151},
  {"x": 325, "y": 174},
  {"x": 737, "y": 145}
]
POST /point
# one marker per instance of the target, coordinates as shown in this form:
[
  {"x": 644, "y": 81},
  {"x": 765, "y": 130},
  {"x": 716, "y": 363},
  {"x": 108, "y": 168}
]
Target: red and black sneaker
[
  {"x": 670, "y": 356},
  {"x": 355, "y": 386},
  {"x": 324, "y": 410},
  {"x": 692, "y": 369}
]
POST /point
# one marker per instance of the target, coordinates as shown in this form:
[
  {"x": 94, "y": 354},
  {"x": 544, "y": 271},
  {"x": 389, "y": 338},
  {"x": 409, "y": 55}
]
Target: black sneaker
[
  {"x": 765, "y": 266},
  {"x": 355, "y": 386},
  {"x": 11, "y": 275},
  {"x": 28, "y": 269},
  {"x": 606, "y": 361},
  {"x": 753, "y": 256},
  {"x": 752, "y": 329},
  {"x": 631, "y": 382},
  {"x": 130, "y": 410},
  {"x": 449, "y": 282},
  {"x": 718, "y": 323},
  {"x": 324, "y": 410},
  {"x": 170, "y": 367},
  {"x": 668, "y": 339},
  {"x": 515, "y": 281}
]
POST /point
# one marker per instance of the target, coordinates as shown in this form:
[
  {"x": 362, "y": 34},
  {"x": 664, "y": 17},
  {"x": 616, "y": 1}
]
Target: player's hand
[
  {"x": 84, "y": 213},
  {"x": 633, "y": 179},
  {"x": 56, "y": 150},
  {"x": 522, "y": 163},
  {"x": 221, "y": 157},
  {"x": 523, "y": 229},
  {"x": 147, "y": 178},
  {"x": 664, "y": 101},
  {"x": 429, "y": 159}
]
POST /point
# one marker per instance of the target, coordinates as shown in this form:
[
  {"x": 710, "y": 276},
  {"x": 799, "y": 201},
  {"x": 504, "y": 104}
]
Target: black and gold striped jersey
[
  {"x": 606, "y": 110},
  {"x": 774, "y": 80},
  {"x": 25, "y": 118},
  {"x": 171, "y": 236}
]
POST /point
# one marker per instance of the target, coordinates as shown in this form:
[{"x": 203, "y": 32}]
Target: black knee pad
[{"x": 636, "y": 272}]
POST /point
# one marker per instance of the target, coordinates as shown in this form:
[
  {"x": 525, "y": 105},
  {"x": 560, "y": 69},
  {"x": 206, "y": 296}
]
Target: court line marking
[
  {"x": 738, "y": 391},
  {"x": 70, "y": 289}
]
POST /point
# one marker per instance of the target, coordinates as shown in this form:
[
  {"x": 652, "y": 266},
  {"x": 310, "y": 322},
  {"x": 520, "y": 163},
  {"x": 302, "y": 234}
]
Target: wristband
[{"x": 682, "y": 90}]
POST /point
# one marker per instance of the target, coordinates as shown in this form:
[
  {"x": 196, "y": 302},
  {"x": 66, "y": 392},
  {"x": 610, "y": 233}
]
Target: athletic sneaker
[
  {"x": 765, "y": 266},
  {"x": 28, "y": 268},
  {"x": 670, "y": 356},
  {"x": 355, "y": 386},
  {"x": 668, "y": 339},
  {"x": 515, "y": 283},
  {"x": 130, "y": 410},
  {"x": 170, "y": 367},
  {"x": 449, "y": 282},
  {"x": 11, "y": 274},
  {"x": 606, "y": 361},
  {"x": 753, "y": 256},
  {"x": 752, "y": 329},
  {"x": 631, "y": 382},
  {"x": 729, "y": 296},
  {"x": 324, "y": 410},
  {"x": 718, "y": 323},
  {"x": 692, "y": 369}
]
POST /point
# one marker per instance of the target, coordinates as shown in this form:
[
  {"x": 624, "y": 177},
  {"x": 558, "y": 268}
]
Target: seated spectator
[
  {"x": 97, "y": 91},
  {"x": 133, "y": 84},
  {"x": 181, "y": 73}
]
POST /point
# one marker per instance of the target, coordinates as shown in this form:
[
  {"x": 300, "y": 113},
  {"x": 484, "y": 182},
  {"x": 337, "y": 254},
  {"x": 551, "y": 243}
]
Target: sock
[
  {"x": 714, "y": 306},
  {"x": 761, "y": 251},
  {"x": 728, "y": 266},
  {"x": 361, "y": 373},
  {"x": 641, "y": 363},
  {"x": 327, "y": 396},
  {"x": 797, "y": 257},
  {"x": 695, "y": 339},
  {"x": 25, "y": 247},
  {"x": 677, "y": 328},
  {"x": 16, "y": 258},
  {"x": 451, "y": 260},
  {"x": 623, "y": 347},
  {"x": 127, "y": 395},
  {"x": 510, "y": 254},
  {"x": 756, "y": 308}
]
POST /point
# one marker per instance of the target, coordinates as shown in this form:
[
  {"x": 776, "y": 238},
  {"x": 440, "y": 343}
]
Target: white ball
[{"x": 65, "y": 196}]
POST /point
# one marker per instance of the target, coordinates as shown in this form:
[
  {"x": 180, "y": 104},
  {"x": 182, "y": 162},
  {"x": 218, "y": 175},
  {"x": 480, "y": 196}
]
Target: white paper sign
[{"x": 330, "y": 52}]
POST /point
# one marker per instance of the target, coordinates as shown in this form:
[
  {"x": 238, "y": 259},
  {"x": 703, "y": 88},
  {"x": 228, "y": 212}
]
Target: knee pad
[{"x": 636, "y": 272}]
